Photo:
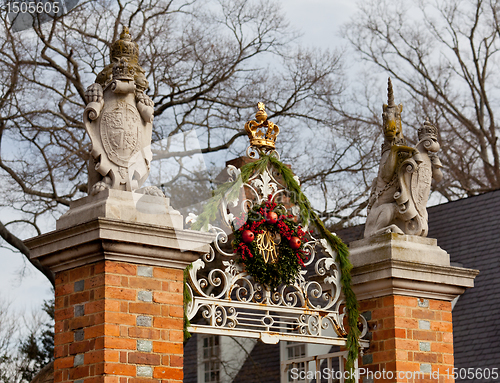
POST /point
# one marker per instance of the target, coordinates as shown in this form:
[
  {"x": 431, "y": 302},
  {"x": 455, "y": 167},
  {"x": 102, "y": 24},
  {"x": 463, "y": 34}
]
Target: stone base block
[
  {"x": 406, "y": 265},
  {"x": 122, "y": 205}
]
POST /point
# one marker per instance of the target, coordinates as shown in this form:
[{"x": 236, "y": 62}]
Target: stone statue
[
  {"x": 118, "y": 119},
  {"x": 400, "y": 192}
]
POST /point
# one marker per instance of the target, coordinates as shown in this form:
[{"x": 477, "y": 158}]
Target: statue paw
[
  {"x": 94, "y": 93},
  {"x": 144, "y": 98},
  {"x": 99, "y": 187},
  {"x": 392, "y": 229},
  {"x": 152, "y": 190}
]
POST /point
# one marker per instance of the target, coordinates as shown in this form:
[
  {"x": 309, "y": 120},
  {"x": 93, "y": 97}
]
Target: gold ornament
[
  {"x": 267, "y": 247},
  {"x": 262, "y": 133}
]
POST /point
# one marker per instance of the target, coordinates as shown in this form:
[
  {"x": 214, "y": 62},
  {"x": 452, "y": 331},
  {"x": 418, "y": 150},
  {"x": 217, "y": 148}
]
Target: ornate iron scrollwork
[{"x": 232, "y": 303}]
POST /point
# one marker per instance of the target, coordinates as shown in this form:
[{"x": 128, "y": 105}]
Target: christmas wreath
[{"x": 270, "y": 244}]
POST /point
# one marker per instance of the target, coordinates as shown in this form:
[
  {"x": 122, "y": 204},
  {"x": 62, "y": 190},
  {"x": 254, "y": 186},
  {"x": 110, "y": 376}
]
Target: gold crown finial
[{"x": 262, "y": 133}]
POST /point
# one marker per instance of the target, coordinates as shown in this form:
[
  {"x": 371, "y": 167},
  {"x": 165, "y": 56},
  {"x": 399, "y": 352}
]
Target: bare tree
[
  {"x": 208, "y": 63},
  {"x": 445, "y": 55},
  {"x": 26, "y": 342}
]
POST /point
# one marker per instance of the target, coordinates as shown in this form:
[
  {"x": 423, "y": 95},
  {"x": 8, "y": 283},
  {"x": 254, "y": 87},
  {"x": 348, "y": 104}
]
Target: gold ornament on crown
[{"x": 262, "y": 133}]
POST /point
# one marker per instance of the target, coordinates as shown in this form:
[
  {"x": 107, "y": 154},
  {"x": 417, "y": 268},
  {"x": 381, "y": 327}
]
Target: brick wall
[
  {"x": 409, "y": 334},
  {"x": 119, "y": 322}
]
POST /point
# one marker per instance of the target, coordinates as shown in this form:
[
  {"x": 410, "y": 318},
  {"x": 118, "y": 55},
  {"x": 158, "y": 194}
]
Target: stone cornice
[
  {"x": 114, "y": 239},
  {"x": 394, "y": 264}
]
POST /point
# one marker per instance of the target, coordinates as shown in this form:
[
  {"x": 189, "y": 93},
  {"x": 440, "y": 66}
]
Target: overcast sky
[{"x": 319, "y": 21}]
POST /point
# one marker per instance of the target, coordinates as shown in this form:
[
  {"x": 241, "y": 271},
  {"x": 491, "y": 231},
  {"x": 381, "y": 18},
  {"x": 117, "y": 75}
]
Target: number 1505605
[{"x": 48, "y": 7}]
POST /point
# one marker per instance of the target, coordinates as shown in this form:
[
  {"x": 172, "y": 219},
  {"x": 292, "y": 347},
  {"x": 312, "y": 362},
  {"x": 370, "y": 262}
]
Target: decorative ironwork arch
[{"x": 233, "y": 303}]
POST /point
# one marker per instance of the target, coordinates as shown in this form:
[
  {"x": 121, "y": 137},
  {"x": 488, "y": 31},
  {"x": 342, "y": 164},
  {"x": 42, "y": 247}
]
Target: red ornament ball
[
  {"x": 272, "y": 217},
  {"x": 295, "y": 243},
  {"x": 248, "y": 236}
]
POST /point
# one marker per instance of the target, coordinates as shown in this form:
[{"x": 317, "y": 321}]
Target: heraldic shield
[
  {"x": 121, "y": 141},
  {"x": 118, "y": 119}
]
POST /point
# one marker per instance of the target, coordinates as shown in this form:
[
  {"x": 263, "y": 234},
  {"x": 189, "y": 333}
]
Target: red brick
[
  {"x": 168, "y": 274},
  {"x": 440, "y": 305},
  {"x": 145, "y": 308},
  {"x": 448, "y": 359},
  {"x": 142, "y": 380},
  {"x": 383, "y": 312},
  {"x": 405, "y": 323},
  {"x": 407, "y": 366},
  {"x": 64, "y": 314},
  {"x": 168, "y": 348},
  {"x": 424, "y": 335},
  {"x": 119, "y": 369},
  {"x": 423, "y": 314},
  {"x": 144, "y": 358},
  {"x": 120, "y": 318},
  {"x": 58, "y": 376},
  {"x": 60, "y": 303},
  {"x": 168, "y": 373},
  {"x": 168, "y": 323},
  {"x": 79, "y": 347},
  {"x": 101, "y": 330},
  {"x": 95, "y": 307},
  {"x": 176, "y": 336},
  {"x": 121, "y": 293},
  {"x": 406, "y": 344},
  {"x": 62, "y": 338},
  {"x": 120, "y": 343},
  {"x": 424, "y": 358},
  {"x": 79, "y": 372},
  {"x": 168, "y": 298},
  {"x": 401, "y": 355},
  {"x": 59, "y": 352},
  {"x": 61, "y": 277},
  {"x": 113, "y": 280},
  {"x": 80, "y": 322},
  {"x": 176, "y": 361},
  {"x": 144, "y": 333},
  {"x": 384, "y": 356},
  {"x": 63, "y": 363},
  {"x": 79, "y": 273},
  {"x": 95, "y": 281},
  {"x": 176, "y": 287},
  {"x": 101, "y": 356},
  {"x": 446, "y": 348},
  {"x": 80, "y": 297},
  {"x": 144, "y": 283},
  {"x": 176, "y": 311},
  {"x": 446, "y": 316},
  {"x": 64, "y": 289},
  {"x": 120, "y": 268},
  {"x": 401, "y": 300},
  {"x": 447, "y": 337},
  {"x": 442, "y": 326}
]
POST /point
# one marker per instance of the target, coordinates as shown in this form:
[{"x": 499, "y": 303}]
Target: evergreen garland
[
  {"x": 307, "y": 214},
  {"x": 187, "y": 300}
]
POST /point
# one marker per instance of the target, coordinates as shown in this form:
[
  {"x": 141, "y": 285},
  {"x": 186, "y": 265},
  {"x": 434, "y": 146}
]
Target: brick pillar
[
  {"x": 119, "y": 292},
  {"x": 405, "y": 286}
]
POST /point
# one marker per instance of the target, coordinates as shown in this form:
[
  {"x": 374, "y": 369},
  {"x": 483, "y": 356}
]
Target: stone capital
[
  {"x": 395, "y": 264},
  {"x": 120, "y": 226}
]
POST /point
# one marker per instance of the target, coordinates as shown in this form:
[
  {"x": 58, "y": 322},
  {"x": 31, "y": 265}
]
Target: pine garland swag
[{"x": 307, "y": 214}]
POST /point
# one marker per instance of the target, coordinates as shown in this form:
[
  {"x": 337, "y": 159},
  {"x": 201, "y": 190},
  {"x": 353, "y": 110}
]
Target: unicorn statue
[{"x": 400, "y": 192}]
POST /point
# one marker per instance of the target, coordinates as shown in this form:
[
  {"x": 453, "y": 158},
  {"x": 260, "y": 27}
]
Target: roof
[{"x": 469, "y": 230}]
